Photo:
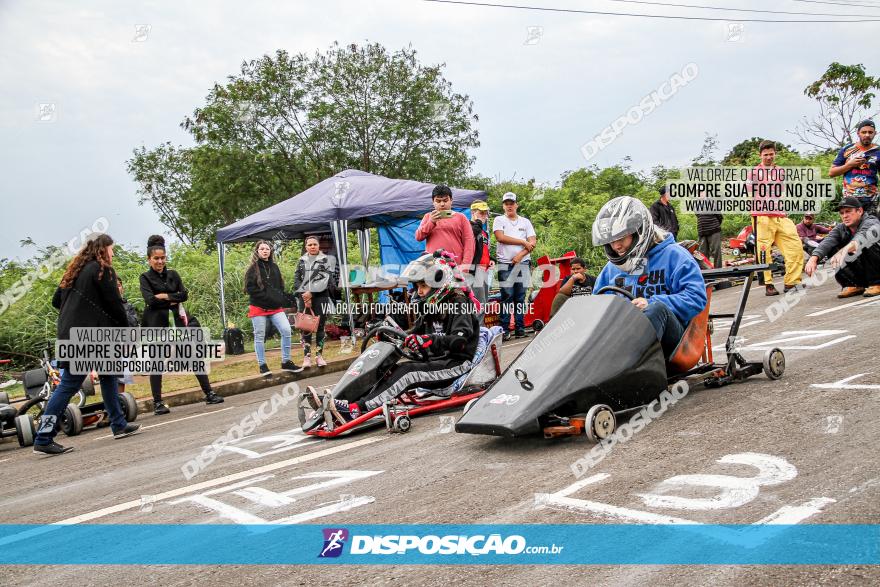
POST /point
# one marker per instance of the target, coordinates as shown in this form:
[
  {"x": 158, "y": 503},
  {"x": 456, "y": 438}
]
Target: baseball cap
[
  {"x": 662, "y": 190},
  {"x": 480, "y": 205},
  {"x": 867, "y": 122},
  {"x": 509, "y": 196},
  {"x": 849, "y": 202},
  {"x": 809, "y": 215}
]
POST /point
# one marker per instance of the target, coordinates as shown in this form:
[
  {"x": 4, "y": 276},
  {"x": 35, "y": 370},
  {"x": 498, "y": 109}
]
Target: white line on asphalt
[
  {"x": 794, "y": 514},
  {"x": 840, "y": 307},
  {"x": 173, "y": 421}
]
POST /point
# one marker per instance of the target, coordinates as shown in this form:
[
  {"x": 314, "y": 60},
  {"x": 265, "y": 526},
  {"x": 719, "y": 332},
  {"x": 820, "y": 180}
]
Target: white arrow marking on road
[{"x": 840, "y": 307}]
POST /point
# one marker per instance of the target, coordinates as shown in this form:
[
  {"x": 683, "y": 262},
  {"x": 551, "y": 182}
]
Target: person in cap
[
  {"x": 446, "y": 335},
  {"x": 857, "y": 163},
  {"x": 516, "y": 239},
  {"x": 482, "y": 261},
  {"x": 663, "y": 214},
  {"x": 810, "y": 232},
  {"x": 443, "y": 228},
  {"x": 854, "y": 248},
  {"x": 644, "y": 259},
  {"x": 772, "y": 227}
]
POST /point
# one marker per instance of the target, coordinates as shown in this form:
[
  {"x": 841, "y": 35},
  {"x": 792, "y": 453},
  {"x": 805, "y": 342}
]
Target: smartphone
[{"x": 445, "y": 213}]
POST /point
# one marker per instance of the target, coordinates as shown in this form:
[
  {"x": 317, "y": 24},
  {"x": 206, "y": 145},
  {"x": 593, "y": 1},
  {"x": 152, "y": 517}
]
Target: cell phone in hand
[{"x": 445, "y": 213}]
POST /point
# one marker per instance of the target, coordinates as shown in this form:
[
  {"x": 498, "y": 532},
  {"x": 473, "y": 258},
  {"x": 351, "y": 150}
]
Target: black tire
[
  {"x": 71, "y": 420},
  {"x": 79, "y": 399},
  {"x": 4, "y": 398},
  {"x": 402, "y": 424},
  {"x": 129, "y": 406},
  {"x": 774, "y": 363},
  {"x": 538, "y": 325},
  {"x": 25, "y": 430}
]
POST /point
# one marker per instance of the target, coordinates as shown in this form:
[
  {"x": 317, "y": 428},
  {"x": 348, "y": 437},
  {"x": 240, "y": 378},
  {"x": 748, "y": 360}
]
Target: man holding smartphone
[
  {"x": 446, "y": 229},
  {"x": 516, "y": 240},
  {"x": 858, "y": 164}
]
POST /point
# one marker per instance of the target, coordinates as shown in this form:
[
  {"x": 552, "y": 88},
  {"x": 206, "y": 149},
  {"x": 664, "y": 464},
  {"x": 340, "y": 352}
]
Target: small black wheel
[
  {"x": 25, "y": 430},
  {"x": 402, "y": 423},
  {"x": 71, "y": 420},
  {"x": 774, "y": 363},
  {"x": 599, "y": 423},
  {"x": 129, "y": 406},
  {"x": 538, "y": 325}
]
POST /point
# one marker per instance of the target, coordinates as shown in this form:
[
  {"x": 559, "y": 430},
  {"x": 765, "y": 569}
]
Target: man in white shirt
[{"x": 516, "y": 240}]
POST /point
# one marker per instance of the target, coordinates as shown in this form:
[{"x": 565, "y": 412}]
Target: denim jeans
[
  {"x": 514, "y": 280},
  {"x": 50, "y": 421},
  {"x": 667, "y": 325},
  {"x": 280, "y": 322}
]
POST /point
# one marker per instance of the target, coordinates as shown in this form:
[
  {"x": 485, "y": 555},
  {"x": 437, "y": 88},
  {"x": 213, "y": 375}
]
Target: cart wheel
[
  {"x": 538, "y": 325},
  {"x": 4, "y": 398},
  {"x": 599, "y": 423},
  {"x": 469, "y": 405},
  {"x": 71, "y": 420},
  {"x": 129, "y": 406},
  {"x": 774, "y": 363},
  {"x": 88, "y": 386},
  {"x": 402, "y": 423},
  {"x": 79, "y": 399},
  {"x": 25, "y": 430}
]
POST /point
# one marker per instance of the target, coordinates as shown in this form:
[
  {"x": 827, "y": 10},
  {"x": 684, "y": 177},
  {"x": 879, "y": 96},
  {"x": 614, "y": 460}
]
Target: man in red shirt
[
  {"x": 775, "y": 228},
  {"x": 446, "y": 229}
]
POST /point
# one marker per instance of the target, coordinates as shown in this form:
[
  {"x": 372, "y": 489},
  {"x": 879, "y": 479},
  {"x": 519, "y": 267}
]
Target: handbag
[{"x": 306, "y": 322}]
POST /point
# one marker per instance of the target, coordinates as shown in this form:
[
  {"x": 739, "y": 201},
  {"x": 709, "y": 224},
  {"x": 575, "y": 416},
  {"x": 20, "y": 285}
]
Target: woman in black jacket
[
  {"x": 87, "y": 297},
  {"x": 265, "y": 287},
  {"x": 163, "y": 292},
  {"x": 316, "y": 278}
]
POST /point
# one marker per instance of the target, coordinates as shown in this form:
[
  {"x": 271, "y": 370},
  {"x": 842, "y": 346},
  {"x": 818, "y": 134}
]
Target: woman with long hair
[
  {"x": 265, "y": 286},
  {"x": 163, "y": 292},
  {"x": 317, "y": 274},
  {"x": 88, "y": 297}
]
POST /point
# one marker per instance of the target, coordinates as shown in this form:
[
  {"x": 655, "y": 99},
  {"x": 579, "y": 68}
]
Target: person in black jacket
[
  {"x": 265, "y": 287},
  {"x": 663, "y": 214},
  {"x": 445, "y": 335},
  {"x": 315, "y": 280},
  {"x": 163, "y": 292},
  {"x": 87, "y": 297},
  {"x": 709, "y": 232}
]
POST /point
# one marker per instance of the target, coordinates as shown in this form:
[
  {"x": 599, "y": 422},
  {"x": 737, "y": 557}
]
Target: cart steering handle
[{"x": 616, "y": 290}]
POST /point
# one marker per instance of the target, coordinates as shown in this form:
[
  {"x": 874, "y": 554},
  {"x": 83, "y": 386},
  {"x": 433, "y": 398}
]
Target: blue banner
[{"x": 527, "y": 544}]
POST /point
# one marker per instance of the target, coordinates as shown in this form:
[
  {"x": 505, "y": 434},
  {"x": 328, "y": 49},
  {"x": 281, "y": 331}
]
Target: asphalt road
[{"x": 818, "y": 425}]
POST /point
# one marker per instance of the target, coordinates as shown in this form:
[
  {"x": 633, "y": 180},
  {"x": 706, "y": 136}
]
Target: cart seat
[
  {"x": 33, "y": 382},
  {"x": 692, "y": 345}
]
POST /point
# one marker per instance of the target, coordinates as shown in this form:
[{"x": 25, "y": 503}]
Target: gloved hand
[{"x": 419, "y": 343}]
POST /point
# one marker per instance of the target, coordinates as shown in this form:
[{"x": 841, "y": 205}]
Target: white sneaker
[{"x": 307, "y": 362}]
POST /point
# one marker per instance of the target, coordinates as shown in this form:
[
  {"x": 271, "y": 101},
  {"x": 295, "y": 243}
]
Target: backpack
[{"x": 234, "y": 341}]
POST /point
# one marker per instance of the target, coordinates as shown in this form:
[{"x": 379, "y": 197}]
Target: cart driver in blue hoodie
[{"x": 663, "y": 278}]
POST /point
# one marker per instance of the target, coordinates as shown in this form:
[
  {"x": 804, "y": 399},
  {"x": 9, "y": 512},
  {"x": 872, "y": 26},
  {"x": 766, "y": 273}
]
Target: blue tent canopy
[{"x": 349, "y": 199}]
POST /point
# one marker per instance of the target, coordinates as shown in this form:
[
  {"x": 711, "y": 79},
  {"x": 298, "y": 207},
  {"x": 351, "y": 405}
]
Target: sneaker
[
  {"x": 307, "y": 362},
  {"x": 521, "y": 334},
  {"x": 213, "y": 398},
  {"x": 345, "y": 411},
  {"x": 290, "y": 366},
  {"x": 264, "y": 370},
  {"x": 788, "y": 288},
  {"x": 161, "y": 409},
  {"x": 770, "y": 290},
  {"x": 321, "y": 362},
  {"x": 506, "y": 336},
  {"x": 850, "y": 292},
  {"x": 127, "y": 431},
  {"x": 53, "y": 448},
  {"x": 872, "y": 291}
]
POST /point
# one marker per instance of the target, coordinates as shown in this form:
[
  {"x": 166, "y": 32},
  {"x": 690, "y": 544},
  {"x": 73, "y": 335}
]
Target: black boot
[
  {"x": 160, "y": 409},
  {"x": 213, "y": 398}
]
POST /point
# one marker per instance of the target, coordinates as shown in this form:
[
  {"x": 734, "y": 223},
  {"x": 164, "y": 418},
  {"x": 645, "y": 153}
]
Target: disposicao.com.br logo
[{"x": 403, "y": 544}]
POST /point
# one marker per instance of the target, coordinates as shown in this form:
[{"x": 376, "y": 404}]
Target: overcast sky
[{"x": 539, "y": 96}]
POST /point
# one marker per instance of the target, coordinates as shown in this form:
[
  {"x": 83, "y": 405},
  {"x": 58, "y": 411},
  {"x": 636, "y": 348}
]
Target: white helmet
[
  {"x": 619, "y": 217},
  {"x": 430, "y": 269}
]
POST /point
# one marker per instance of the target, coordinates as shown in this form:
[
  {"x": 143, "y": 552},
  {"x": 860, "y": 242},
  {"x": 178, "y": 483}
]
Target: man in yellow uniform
[{"x": 774, "y": 228}]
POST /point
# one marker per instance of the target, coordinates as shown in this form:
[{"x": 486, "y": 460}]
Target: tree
[
  {"x": 286, "y": 122},
  {"x": 845, "y": 95},
  {"x": 707, "y": 152}
]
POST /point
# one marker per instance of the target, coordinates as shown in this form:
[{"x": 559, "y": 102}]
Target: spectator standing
[
  {"x": 316, "y": 278},
  {"x": 516, "y": 239},
  {"x": 709, "y": 233},
  {"x": 164, "y": 292},
  {"x": 810, "y": 232},
  {"x": 663, "y": 214},
  {"x": 774, "y": 228},
  {"x": 858, "y": 164},
  {"x": 446, "y": 229},
  {"x": 265, "y": 287},
  {"x": 88, "y": 297},
  {"x": 482, "y": 261},
  {"x": 858, "y": 266}
]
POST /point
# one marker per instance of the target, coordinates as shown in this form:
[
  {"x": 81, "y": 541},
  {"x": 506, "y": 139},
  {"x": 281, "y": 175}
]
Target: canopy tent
[{"x": 350, "y": 199}]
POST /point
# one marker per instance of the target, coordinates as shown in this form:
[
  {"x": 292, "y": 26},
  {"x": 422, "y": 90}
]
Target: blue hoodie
[{"x": 672, "y": 277}]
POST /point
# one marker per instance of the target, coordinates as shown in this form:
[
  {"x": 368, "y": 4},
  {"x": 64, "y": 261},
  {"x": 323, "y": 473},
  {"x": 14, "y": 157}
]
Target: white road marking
[
  {"x": 840, "y": 307},
  {"x": 844, "y": 383},
  {"x": 795, "y": 514},
  {"x": 795, "y": 335},
  {"x": 173, "y": 421}
]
